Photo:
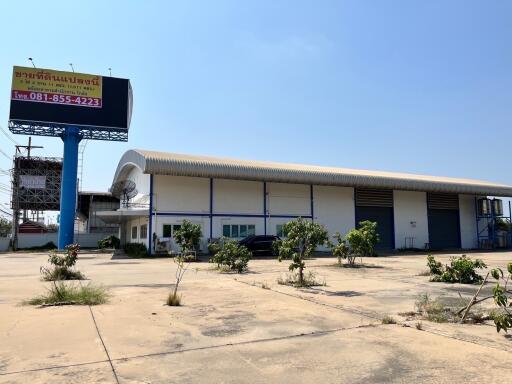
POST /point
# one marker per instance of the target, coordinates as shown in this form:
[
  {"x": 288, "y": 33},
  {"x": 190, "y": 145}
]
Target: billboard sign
[
  {"x": 47, "y": 98},
  {"x": 56, "y": 87}
]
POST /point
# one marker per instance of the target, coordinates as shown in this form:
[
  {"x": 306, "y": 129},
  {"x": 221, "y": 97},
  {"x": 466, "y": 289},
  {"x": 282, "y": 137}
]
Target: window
[
  {"x": 134, "y": 233},
  {"x": 280, "y": 230},
  {"x": 238, "y": 230},
  {"x": 144, "y": 231},
  {"x": 167, "y": 230}
]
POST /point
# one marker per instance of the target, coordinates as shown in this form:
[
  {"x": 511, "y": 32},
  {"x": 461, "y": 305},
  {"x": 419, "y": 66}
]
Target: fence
[
  {"x": 86, "y": 240},
  {"x": 4, "y": 244}
]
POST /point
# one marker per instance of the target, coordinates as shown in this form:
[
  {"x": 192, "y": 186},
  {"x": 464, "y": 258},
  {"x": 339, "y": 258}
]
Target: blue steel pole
[{"x": 71, "y": 139}]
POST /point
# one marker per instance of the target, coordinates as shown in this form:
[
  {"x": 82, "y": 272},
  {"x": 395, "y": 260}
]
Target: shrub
[
  {"x": 61, "y": 265},
  {"x": 232, "y": 256},
  {"x": 303, "y": 236},
  {"x": 214, "y": 247},
  {"x": 308, "y": 280},
  {"x": 341, "y": 251},
  {"x": 136, "y": 249},
  {"x": 109, "y": 242},
  {"x": 362, "y": 240},
  {"x": 173, "y": 300},
  {"x": 62, "y": 294},
  {"x": 461, "y": 270},
  {"x": 432, "y": 310},
  {"x": 388, "y": 320},
  {"x": 48, "y": 246}
]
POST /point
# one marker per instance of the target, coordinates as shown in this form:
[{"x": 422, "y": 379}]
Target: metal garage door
[
  {"x": 443, "y": 220},
  {"x": 377, "y": 205}
]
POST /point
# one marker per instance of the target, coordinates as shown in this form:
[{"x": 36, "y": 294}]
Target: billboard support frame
[{"x": 58, "y": 130}]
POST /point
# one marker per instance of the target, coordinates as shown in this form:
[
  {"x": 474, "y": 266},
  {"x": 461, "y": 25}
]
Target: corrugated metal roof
[{"x": 164, "y": 163}]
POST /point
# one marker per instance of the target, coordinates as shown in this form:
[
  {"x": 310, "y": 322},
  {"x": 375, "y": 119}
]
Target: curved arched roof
[{"x": 164, "y": 163}]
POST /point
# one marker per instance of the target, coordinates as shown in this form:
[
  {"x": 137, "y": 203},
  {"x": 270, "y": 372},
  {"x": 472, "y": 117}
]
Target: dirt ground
[{"x": 243, "y": 328}]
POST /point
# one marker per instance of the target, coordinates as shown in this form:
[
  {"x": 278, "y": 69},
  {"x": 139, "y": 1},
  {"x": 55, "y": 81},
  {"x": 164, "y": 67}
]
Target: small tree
[
  {"x": 361, "y": 242},
  {"x": 232, "y": 256},
  {"x": 303, "y": 236},
  {"x": 182, "y": 264},
  {"x": 502, "y": 296},
  {"x": 187, "y": 236},
  {"x": 341, "y": 251}
]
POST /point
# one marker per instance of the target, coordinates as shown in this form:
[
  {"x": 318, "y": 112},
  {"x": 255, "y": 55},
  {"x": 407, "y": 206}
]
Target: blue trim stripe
[
  {"x": 211, "y": 208},
  {"x": 311, "y": 199},
  {"x": 207, "y": 214},
  {"x": 150, "y": 234},
  {"x": 264, "y": 208}
]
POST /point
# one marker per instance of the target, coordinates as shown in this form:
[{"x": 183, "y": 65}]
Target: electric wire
[{"x": 8, "y": 136}]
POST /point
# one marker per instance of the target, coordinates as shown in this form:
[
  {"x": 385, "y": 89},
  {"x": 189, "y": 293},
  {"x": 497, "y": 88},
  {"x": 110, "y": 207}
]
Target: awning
[{"x": 117, "y": 217}]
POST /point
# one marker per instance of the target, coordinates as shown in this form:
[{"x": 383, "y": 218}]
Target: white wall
[
  {"x": 237, "y": 196},
  {"x": 288, "y": 199},
  {"x": 137, "y": 222},
  {"x": 181, "y": 194},
  {"x": 159, "y": 221},
  {"x": 467, "y": 214},
  {"x": 334, "y": 208},
  {"x": 410, "y": 207}
]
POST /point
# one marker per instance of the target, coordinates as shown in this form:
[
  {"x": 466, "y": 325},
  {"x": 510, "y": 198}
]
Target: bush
[
  {"x": 214, "y": 247},
  {"x": 362, "y": 240},
  {"x": 136, "y": 249},
  {"x": 62, "y": 265},
  {"x": 461, "y": 270},
  {"x": 45, "y": 247},
  {"x": 232, "y": 256},
  {"x": 62, "y": 294},
  {"x": 388, "y": 320},
  {"x": 109, "y": 242}
]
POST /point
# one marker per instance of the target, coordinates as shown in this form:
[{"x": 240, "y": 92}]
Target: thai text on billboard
[
  {"x": 32, "y": 182},
  {"x": 56, "y": 87}
]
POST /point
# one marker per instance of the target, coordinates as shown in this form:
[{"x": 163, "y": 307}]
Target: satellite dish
[{"x": 124, "y": 190}]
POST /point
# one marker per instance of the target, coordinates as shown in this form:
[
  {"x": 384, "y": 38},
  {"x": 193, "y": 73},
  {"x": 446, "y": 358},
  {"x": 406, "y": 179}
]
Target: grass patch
[
  {"x": 60, "y": 273},
  {"x": 265, "y": 285},
  {"x": 173, "y": 300},
  {"x": 388, "y": 320},
  {"x": 432, "y": 309},
  {"x": 309, "y": 280},
  {"x": 419, "y": 326},
  {"x": 61, "y": 293}
]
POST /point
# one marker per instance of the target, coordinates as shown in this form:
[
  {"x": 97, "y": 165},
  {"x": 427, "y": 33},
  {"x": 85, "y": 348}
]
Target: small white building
[{"x": 237, "y": 198}]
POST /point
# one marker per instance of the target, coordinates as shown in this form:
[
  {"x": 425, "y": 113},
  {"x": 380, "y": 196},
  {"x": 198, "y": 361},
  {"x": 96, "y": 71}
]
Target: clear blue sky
[{"x": 410, "y": 86}]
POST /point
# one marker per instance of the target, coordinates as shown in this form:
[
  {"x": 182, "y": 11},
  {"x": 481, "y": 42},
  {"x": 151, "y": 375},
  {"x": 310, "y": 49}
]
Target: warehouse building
[{"x": 237, "y": 198}]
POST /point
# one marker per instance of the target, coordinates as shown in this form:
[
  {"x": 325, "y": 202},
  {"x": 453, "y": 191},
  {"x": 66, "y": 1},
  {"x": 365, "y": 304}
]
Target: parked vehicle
[{"x": 259, "y": 245}]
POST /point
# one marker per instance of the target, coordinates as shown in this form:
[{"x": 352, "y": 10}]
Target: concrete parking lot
[{"x": 243, "y": 328}]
